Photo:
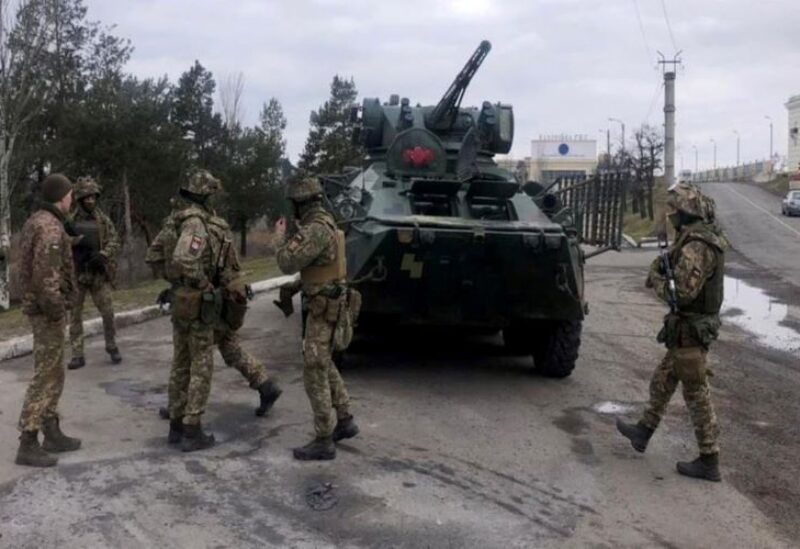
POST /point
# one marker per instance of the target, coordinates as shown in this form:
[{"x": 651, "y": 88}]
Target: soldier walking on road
[
  {"x": 95, "y": 264},
  {"x": 316, "y": 250},
  {"x": 48, "y": 281},
  {"x": 698, "y": 260},
  {"x": 226, "y": 336}
]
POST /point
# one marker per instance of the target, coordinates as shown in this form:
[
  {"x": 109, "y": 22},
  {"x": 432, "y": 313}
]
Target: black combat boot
[
  {"x": 345, "y": 428},
  {"x": 55, "y": 440},
  {"x": 175, "y": 431},
  {"x": 31, "y": 454},
  {"x": 76, "y": 362},
  {"x": 321, "y": 448},
  {"x": 268, "y": 392},
  {"x": 116, "y": 358},
  {"x": 705, "y": 467},
  {"x": 638, "y": 434},
  {"x": 195, "y": 439},
  {"x": 163, "y": 412}
]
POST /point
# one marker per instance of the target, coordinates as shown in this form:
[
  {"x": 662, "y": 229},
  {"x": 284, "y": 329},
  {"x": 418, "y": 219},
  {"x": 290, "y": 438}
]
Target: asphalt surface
[{"x": 460, "y": 446}]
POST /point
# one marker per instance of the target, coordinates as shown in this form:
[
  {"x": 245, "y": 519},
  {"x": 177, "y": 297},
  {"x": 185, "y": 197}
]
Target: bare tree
[
  {"x": 230, "y": 95},
  {"x": 23, "y": 45}
]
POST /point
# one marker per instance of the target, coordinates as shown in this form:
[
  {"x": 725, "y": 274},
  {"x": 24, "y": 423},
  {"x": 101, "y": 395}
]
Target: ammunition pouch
[
  {"x": 211, "y": 307},
  {"x": 689, "y": 330},
  {"x": 349, "y": 307},
  {"x": 186, "y": 304},
  {"x": 234, "y": 305}
]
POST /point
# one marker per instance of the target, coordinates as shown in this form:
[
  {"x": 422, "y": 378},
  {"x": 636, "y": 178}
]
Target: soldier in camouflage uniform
[
  {"x": 698, "y": 260},
  {"x": 316, "y": 250},
  {"x": 226, "y": 337},
  {"x": 96, "y": 266},
  {"x": 48, "y": 282}
]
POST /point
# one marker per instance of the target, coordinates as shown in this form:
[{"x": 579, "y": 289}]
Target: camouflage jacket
[
  {"x": 47, "y": 273},
  {"x": 109, "y": 245},
  {"x": 314, "y": 244},
  {"x": 697, "y": 256},
  {"x": 204, "y": 252}
]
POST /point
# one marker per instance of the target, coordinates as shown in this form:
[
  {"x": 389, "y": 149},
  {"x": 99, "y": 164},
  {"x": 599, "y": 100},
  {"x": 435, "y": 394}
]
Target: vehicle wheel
[{"x": 556, "y": 347}]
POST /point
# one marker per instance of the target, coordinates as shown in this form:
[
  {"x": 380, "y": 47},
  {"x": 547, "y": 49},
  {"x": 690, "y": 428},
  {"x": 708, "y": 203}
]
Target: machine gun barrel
[
  {"x": 444, "y": 114},
  {"x": 669, "y": 273}
]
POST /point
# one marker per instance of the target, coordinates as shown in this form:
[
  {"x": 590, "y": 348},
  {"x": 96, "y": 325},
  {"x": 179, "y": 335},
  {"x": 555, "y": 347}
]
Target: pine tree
[{"x": 329, "y": 147}]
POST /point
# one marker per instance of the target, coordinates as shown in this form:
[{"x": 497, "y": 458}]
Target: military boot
[
  {"x": 321, "y": 448},
  {"x": 55, "y": 440},
  {"x": 268, "y": 392},
  {"x": 31, "y": 454},
  {"x": 116, "y": 358},
  {"x": 705, "y": 467},
  {"x": 195, "y": 439},
  {"x": 76, "y": 362},
  {"x": 345, "y": 428},
  {"x": 638, "y": 434},
  {"x": 175, "y": 431}
]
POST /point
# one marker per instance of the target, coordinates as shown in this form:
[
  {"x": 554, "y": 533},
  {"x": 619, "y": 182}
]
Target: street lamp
[
  {"x": 768, "y": 117},
  {"x": 623, "y": 129},
  {"x": 737, "y": 146},
  {"x": 715, "y": 152},
  {"x": 695, "y": 159},
  {"x": 608, "y": 145}
]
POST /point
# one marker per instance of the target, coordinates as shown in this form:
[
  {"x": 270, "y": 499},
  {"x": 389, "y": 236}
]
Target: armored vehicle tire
[{"x": 555, "y": 347}]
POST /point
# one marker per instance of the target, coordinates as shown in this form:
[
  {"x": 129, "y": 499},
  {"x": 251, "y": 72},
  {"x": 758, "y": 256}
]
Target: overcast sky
[{"x": 565, "y": 65}]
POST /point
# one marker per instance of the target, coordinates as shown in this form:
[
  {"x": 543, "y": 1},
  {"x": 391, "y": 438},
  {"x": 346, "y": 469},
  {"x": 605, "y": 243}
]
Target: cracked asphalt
[{"x": 460, "y": 445}]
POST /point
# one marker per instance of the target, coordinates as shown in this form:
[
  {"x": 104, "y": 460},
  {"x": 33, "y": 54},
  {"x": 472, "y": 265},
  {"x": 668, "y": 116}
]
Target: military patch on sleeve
[
  {"x": 54, "y": 255},
  {"x": 196, "y": 245},
  {"x": 295, "y": 243}
]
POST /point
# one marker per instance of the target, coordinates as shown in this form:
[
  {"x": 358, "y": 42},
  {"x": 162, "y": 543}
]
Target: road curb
[{"x": 23, "y": 345}]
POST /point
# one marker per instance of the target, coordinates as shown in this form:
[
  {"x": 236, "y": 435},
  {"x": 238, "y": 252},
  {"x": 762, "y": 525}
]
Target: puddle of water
[
  {"x": 613, "y": 408},
  {"x": 753, "y": 310}
]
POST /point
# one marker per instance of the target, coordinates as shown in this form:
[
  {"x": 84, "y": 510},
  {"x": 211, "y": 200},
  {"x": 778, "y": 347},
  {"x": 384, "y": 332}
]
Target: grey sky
[{"x": 565, "y": 65}]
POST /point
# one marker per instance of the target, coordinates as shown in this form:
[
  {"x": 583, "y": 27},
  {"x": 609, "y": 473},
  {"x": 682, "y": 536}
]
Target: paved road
[
  {"x": 752, "y": 219},
  {"x": 459, "y": 448}
]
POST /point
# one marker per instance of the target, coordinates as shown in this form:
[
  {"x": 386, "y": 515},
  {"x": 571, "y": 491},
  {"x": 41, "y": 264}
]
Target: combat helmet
[
  {"x": 687, "y": 198},
  {"x": 201, "y": 183},
  {"x": 302, "y": 189},
  {"x": 86, "y": 186}
]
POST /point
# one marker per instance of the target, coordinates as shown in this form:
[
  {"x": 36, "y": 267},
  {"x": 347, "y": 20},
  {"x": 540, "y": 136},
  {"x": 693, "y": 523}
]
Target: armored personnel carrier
[{"x": 439, "y": 235}]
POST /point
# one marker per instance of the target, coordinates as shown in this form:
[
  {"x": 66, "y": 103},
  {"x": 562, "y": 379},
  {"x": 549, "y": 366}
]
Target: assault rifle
[{"x": 668, "y": 271}]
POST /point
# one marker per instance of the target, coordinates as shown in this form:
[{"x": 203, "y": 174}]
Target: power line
[
  {"x": 647, "y": 49},
  {"x": 656, "y": 96},
  {"x": 669, "y": 26}
]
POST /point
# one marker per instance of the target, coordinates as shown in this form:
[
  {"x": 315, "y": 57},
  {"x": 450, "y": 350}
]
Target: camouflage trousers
[
  {"x": 230, "y": 347},
  {"x": 686, "y": 365},
  {"x": 44, "y": 390},
  {"x": 192, "y": 367},
  {"x": 100, "y": 291},
  {"x": 323, "y": 382}
]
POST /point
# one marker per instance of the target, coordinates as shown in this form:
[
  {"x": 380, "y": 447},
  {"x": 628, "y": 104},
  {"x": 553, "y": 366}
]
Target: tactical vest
[
  {"x": 709, "y": 300},
  {"x": 336, "y": 269}
]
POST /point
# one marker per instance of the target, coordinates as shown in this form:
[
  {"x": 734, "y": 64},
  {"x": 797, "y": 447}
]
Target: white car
[{"x": 791, "y": 204}]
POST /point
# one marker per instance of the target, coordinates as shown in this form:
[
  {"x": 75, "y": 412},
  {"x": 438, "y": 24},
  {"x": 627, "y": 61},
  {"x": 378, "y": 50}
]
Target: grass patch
[
  {"x": 778, "y": 186},
  {"x": 14, "y": 323}
]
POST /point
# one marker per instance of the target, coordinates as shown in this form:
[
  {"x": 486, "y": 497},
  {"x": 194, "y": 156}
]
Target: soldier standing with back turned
[
  {"x": 316, "y": 250},
  {"x": 698, "y": 260},
  {"x": 48, "y": 281},
  {"x": 95, "y": 263}
]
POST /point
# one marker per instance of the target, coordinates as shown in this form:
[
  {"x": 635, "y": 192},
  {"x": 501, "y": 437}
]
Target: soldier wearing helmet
[
  {"x": 698, "y": 260},
  {"x": 201, "y": 265},
  {"x": 316, "y": 251},
  {"x": 95, "y": 264}
]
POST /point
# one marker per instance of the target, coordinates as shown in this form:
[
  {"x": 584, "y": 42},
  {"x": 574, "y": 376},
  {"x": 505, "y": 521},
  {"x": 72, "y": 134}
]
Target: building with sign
[
  {"x": 554, "y": 156},
  {"x": 793, "y": 108}
]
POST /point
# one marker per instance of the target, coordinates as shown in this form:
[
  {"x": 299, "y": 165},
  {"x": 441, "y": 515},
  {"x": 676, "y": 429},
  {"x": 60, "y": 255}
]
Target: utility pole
[
  {"x": 623, "y": 131},
  {"x": 737, "y": 146},
  {"x": 768, "y": 117},
  {"x": 695, "y": 159},
  {"x": 715, "y": 152},
  {"x": 669, "y": 115}
]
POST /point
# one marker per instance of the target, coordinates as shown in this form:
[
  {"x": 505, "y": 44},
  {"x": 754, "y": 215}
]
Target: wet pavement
[{"x": 460, "y": 446}]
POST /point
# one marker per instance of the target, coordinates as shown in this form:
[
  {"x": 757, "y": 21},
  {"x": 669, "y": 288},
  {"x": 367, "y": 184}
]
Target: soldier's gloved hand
[{"x": 284, "y": 301}]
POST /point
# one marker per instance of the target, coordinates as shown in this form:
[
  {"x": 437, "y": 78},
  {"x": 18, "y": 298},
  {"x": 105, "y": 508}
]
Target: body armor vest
[
  {"x": 709, "y": 300},
  {"x": 335, "y": 270}
]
